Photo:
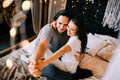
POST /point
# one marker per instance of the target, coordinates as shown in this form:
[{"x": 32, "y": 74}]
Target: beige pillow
[
  {"x": 107, "y": 52},
  {"x": 95, "y": 64},
  {"x": 94, "y": 44}
]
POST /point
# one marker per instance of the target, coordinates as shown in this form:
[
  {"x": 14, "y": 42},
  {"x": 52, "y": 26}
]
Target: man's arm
[
  {"x": 42, "y": 46},
  {"x": 34, "y": 67}
]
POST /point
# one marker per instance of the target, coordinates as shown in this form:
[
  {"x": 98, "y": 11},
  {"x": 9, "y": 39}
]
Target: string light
[
  {"x": 26, "y": 5},
  {"x": 72, "y": 1},
  {"x": 90, "y": 1},
  {"x": 85, "y": 8},
  {"x": 99, "y": 4},
  {"x": 83, "y": 12},
  {"x": 77, "y": 0}
]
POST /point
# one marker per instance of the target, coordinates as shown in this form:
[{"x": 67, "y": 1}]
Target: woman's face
[
  {"x": 71, "y": 29},
  {"x": 62, "y": 23}
]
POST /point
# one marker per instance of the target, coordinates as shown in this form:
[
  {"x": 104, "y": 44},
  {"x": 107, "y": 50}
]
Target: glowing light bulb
[
  {"x": 55, "y": 2},
  {"x": 45, "y": 1},
  {"x": 9, "y": 63},
  {"x": 13, "y": 32},
  {"x": 24, "y": 43},
  {"x": 26, "y": 5},
  {"x": 6, "y": 3}
]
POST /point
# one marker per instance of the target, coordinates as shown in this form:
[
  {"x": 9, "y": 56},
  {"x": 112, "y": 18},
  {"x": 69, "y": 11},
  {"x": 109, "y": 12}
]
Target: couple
[{"x": 55, "y": 37}]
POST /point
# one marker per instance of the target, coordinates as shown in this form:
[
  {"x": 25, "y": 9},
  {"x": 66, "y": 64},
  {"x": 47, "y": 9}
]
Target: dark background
[{"x": 92, "y": 14}]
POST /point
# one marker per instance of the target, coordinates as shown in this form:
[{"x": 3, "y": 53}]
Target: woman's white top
[{"x": 69, "y": 59}]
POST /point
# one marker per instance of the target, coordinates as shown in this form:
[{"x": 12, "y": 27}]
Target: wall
[{"x": 92, "y": 13}]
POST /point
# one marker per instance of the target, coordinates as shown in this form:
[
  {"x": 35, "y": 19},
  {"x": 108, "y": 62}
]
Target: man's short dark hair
[{"x": 63, "y": 13}]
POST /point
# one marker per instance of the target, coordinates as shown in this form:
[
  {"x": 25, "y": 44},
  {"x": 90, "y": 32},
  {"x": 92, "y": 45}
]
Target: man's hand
[
  {"x": 34, "y": 69},
  {"x": 79, "y": 56}
]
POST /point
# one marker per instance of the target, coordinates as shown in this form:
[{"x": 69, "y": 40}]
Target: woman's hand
[
  {"x": 79, "y": 56},
  {"x": 53, "y": 24},
  {"x": 42, "y": 64}
]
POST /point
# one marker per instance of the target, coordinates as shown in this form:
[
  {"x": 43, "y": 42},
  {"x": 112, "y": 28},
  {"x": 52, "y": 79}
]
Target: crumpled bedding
[{"x": 19, "y": 71}]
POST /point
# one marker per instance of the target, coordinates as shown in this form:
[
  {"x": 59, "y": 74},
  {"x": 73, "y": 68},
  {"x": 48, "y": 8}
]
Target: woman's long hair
[{"x": 82, "y": 34}]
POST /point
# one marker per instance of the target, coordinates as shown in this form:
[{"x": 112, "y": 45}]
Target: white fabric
[
  {"x": 94, "y": 44},
  {"x": 112, "y": 15},
  {"x": 30, "y": 48},
  {"x": 107, "y": 38},
  {"x": 69, "y": 59},
  {"x": 113, "y": 72}
]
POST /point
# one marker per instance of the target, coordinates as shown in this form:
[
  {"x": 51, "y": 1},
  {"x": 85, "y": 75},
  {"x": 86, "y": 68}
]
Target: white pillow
[
  {"x": 94, "y": 44},
  {"x": 106, "y": 38}
]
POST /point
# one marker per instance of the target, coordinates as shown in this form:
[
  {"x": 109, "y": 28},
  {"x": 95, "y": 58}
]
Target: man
[{"x": 52, "y": 36}]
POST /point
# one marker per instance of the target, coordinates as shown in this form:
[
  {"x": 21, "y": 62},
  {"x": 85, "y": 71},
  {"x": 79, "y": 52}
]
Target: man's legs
[{"x": 53, "y": 73}]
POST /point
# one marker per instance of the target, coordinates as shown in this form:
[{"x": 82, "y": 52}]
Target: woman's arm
[{"x": 57, "y": 54}]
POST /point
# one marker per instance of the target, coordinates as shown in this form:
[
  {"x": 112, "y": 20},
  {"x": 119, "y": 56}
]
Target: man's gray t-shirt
[{"x": 56, "y": 39}]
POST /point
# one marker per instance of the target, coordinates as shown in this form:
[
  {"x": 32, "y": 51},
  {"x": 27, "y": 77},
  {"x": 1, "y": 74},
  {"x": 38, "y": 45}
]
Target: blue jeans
[{"x": 53, "y": 73}]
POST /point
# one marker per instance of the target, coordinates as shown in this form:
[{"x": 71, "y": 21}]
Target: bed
[{"x": 100, "y": 49}]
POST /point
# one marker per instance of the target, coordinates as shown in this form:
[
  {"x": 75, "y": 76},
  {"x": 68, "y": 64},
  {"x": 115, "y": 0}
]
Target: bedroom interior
[{"x": 102, "y": 18}]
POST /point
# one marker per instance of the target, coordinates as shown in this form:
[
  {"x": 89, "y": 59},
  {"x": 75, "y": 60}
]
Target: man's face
[{"x": 62, "y": 23}]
